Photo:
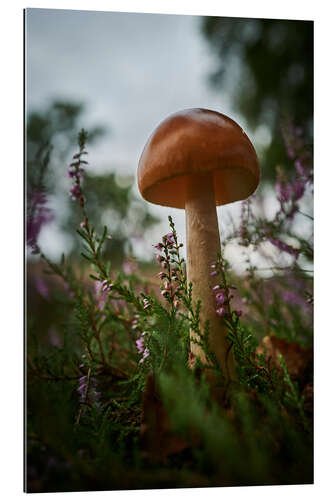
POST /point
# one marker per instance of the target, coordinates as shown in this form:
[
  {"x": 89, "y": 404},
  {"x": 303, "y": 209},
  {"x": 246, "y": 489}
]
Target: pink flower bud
[
  {"x": 220, "y": 298},
  {"x": 220, "y": 311}
]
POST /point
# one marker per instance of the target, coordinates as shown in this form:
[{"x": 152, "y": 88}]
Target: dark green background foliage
[{"x": 275, "y": 78}]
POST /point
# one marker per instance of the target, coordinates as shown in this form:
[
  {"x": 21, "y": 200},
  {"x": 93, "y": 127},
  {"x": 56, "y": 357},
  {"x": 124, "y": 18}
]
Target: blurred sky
[{"x": 131, "y": 71}]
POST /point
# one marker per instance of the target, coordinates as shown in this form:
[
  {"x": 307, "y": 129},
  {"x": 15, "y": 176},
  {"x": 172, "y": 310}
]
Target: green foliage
[
  {"x": 292, "y": 396},
  {"x": 119, "y": 376}
]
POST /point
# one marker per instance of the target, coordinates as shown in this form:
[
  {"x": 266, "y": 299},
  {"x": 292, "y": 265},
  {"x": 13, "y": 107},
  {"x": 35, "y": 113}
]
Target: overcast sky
[{"x": 131, "y": 71}]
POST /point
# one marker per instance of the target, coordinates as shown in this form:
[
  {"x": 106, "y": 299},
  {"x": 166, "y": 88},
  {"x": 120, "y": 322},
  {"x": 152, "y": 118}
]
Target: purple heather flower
[
  {"x": 161, "y": 275},
  {"x": 284, "y": 247},
  {"x": 82, "y": 389},
  {"x": 213, "y": 273},
  {"x": 75, "y": 172},
  {"x": 216, "y": 287},
  {"x": 170, "y": 239},
  {"x": 71, "y": 173},
  {"x": 41, "y": 287},
  {"x": 100, "y": 295},
  {"x": 220, "y": 298},
  {"x": 298, "y": 190},
  {"x": 220, "y": 311},
  {"x": 75, "y": 191},
  {"x": 140, "y": 344},
  {"x": 106, "y": 286},
  {"x": 129, "y": 266},
  {"x": 159, "y": 246},
  {"x": 144, "y": 355},
  {"x": 159, "y": 258}
]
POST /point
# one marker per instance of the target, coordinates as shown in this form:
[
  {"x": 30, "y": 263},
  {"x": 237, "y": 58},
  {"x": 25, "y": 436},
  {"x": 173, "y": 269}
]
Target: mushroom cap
[{"x": 197, "y": 141}]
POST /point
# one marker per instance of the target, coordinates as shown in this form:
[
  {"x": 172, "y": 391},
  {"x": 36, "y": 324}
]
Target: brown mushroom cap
[{"x": 197, "y": 141}]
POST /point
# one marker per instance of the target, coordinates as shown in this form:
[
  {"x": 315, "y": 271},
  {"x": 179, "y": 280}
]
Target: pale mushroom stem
[{"x": 203, "y": 246}]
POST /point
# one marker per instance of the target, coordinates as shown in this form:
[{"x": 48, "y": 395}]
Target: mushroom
[{"x": 197, "y": 159}]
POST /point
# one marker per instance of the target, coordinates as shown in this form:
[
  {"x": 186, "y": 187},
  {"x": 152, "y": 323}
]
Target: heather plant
[
  {"x": 283, "y": 303},
  {"x": 51, "y": 135},
  {"x": 115, "y": 400},
  {"x": 254, "y": 229}
]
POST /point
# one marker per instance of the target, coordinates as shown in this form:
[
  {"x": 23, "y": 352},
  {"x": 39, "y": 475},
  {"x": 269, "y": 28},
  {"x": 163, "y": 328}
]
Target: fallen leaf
[{"x": 297, "y": 358}]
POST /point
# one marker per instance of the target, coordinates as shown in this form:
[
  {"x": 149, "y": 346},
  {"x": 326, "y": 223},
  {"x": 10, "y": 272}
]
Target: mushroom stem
[{"x": 203, "y": 246}]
